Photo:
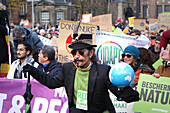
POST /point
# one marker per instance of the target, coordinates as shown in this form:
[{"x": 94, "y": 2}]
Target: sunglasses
[
  {"x": 81, "y": 52},
  {"x": 127, "y": 55}
]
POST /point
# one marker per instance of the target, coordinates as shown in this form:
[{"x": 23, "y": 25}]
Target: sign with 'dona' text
[{"x": 154, "y": 94}]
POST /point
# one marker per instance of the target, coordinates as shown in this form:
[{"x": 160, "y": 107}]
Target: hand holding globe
[{"x": 121, "y": 75}]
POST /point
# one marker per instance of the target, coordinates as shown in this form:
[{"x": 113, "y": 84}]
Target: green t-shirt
[{"x": 81, "y": 83}]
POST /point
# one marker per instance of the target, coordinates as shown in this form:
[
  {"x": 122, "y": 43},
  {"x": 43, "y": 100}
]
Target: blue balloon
[{"x": 121, "y": 74}]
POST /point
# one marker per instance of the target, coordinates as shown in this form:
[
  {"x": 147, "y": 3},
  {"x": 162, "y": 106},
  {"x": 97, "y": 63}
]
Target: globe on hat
[{"x": 121, "y": 75}]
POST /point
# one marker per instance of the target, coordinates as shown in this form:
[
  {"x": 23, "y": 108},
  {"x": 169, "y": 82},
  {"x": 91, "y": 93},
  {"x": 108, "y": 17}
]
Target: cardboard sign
[
  {"x": 154, "y": 94},
  {"x": 103, "y": 21},
  {"x": 86, "y": 18},
  {"x": 153, "y": 20},
  {"x": 153, "y": 24},
  {"x": 164, "y": 20},
  {"x": 140, "y": 23},
  {"x": 65, "y": 38}
]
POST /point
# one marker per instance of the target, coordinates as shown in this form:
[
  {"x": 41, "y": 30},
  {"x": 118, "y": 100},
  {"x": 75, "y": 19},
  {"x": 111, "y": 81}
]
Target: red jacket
[{"x": 165, "y": 39}]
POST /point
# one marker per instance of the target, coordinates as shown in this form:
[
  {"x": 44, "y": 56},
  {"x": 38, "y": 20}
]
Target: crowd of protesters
[
  {"x": 29, "y": 47},
  {"x": 34, "y": 37}
]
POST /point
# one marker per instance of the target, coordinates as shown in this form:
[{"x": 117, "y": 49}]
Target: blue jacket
[{"x": 32, "y": 38}]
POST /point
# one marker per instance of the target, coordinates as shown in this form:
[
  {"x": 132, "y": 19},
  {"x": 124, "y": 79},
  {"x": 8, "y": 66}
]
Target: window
[
  {"x": 167, "y": 8},
  {"x": 145, "y": 11},
  {"x": 60, "y": 16},
  {"x": 159, "y": 9},
  {"x": 22, "y": 9},
  {"x": 45, "y": 17}
]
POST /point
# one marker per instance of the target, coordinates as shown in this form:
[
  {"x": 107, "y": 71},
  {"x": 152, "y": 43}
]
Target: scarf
[{"x": 19, "y": 69}]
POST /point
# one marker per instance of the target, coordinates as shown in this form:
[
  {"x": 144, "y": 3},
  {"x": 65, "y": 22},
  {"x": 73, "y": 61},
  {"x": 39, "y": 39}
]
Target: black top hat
[{"x": 81, "y": 41}]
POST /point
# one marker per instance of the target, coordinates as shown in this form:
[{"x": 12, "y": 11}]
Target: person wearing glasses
[
  {"x": 86, "y": 82},
  {"x": 25, "y": 34},
  {"x": 24, "y": 57},
  {"x": 131, "y": 56}
]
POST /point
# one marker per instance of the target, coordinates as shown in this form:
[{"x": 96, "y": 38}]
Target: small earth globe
[{"x": 121, "y": 74}]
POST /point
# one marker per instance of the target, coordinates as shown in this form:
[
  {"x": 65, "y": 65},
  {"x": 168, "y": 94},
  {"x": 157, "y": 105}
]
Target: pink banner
[{"x": 45, "y": 100}]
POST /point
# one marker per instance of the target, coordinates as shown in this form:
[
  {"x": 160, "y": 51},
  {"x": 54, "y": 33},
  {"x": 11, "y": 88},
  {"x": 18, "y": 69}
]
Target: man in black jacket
[
  {"x": 86, "y": 82},
  {"x": 47, "y": 59}
]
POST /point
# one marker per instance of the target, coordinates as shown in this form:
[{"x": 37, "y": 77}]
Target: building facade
[
  {"x": 152, "y": 8},
  {"x": 45, "y": 11}
]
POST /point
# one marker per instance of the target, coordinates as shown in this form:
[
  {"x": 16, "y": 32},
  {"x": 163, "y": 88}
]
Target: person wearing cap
[
  {"x": 131, "y": 56},
  {"x": 25, "y": 34},
  {"x": 86, "y": 82},
  {"x": 156, "y": 48}
]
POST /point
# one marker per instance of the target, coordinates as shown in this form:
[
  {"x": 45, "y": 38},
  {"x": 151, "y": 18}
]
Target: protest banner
[
  {"x": 45, "y": 100},
  {"x": 86, "y": 18},
  {"x": 103, "y": 21},
  {"x": 153, "y": 27},
  {"x": 121, "y": 106},
  {"x": 154, "y": 94},
  {"x": 45, "y": 40},
  {"x": 65, "y": 37},
  {"x": 110, "y": 46},
  {"x": 139, "y": 23}
]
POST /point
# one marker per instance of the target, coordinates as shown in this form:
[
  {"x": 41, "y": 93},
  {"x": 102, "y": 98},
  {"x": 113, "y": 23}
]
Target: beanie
[
  {"x": 158, "y": 38},
  {"x": 18, "y": 33},
  {"x": 132, "y": 50}
]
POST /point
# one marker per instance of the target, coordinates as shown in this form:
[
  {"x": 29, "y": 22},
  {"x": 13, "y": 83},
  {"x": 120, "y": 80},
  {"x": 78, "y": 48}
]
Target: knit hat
[
  {"x": 18, "y": 33},
  {"x": 132, "y": 50},
  {"x": 81, "y": 41},
  {"x": 158, "y": 38}
]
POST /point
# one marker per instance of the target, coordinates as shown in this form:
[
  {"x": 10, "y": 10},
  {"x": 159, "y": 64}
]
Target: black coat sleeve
[{"x": 44, "y": 77}]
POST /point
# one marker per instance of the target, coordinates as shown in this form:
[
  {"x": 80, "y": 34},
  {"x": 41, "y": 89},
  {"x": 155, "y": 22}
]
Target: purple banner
[{"x": 45, "y": 100}]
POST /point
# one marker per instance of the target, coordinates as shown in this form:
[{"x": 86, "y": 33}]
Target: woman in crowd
[
  {"x": 164, "y": 70},
  {"x": 130, "y": 56},
  {"x": 144, "y": 55}
]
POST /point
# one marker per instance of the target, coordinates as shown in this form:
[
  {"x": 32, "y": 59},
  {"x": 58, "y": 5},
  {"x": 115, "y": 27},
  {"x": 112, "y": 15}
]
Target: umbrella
[{"x": 28, "y": 96}]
